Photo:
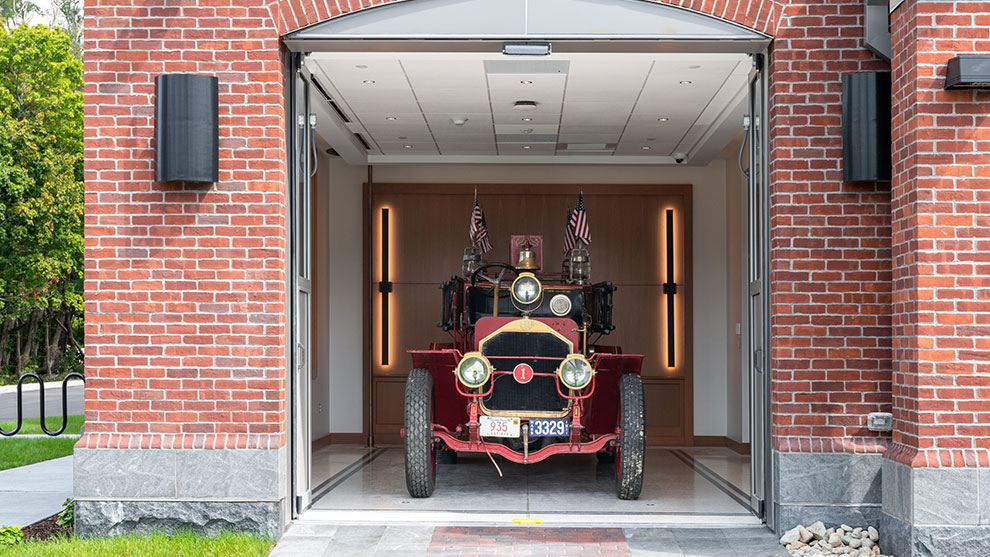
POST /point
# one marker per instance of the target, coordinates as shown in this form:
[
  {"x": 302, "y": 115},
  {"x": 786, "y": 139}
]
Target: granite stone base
[
  {"x": 935, "y": 511},
  {"x": 211, "y": 517},
  {"x": 124, "y": 490},
  {"x": 836, "y": 488}
]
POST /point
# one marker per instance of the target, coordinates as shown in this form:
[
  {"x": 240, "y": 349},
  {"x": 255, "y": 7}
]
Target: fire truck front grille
[{"x": 540, "y": 394}]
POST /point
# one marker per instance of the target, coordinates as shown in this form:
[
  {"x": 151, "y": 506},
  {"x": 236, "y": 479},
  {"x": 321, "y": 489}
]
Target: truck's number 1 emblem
[{"x": 523, "y": 373}]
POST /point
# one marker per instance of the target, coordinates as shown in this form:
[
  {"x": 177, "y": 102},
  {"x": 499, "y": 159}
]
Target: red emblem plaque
[{"x": 523, "y": 373}]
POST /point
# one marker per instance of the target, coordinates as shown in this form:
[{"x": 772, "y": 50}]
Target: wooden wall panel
[
  {"x": 389, "y": 408},
  {"x": 665, "y": 412},
  {"x": 429, "y": 231}
]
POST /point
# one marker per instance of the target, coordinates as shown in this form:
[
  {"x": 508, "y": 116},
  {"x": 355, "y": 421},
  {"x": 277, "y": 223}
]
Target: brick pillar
[
  {"x": 830, "y": 278},
  {"x": 185, "y": 284},
  {"x": 936, "y": 476}
]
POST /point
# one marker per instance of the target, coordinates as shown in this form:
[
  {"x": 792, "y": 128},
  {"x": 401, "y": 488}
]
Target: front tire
[
  {"x": 420, "y": 450},
  {"x": 632, "y": 438}
]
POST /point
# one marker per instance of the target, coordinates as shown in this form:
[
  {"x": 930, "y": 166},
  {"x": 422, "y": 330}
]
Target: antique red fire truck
[{"x": 520, "y": 378}]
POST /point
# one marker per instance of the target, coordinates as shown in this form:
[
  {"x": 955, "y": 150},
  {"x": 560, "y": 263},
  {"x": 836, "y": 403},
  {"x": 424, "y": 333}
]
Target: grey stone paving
[
  {"x": 34, "y": 492},
  {"x": 329, "y": 540},
  {"x": 53, "y": 402}
]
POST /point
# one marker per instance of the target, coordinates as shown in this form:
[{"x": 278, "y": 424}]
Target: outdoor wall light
[
  {"x": 866, "y": 127},
  {"x": 187, "y": 128},
  {"x": 968, "y": 72}
]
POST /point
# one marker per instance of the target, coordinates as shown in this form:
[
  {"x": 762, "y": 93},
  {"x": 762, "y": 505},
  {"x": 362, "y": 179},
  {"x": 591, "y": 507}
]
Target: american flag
[
  {"x": 569, "y": 241},
  {"x": 578, "y": 223},
  {"x": 479, "y": 229}
]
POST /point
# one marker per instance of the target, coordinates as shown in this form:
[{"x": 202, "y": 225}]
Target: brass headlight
[
  {"x": 575, "y": 372},
  {"x": 474, "y": 370},
  {"x": 526, "y": 289}
]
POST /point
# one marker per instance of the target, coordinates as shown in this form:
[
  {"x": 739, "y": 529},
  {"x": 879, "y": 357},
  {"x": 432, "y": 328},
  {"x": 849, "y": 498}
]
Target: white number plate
[{"x": 499, "y": 427}]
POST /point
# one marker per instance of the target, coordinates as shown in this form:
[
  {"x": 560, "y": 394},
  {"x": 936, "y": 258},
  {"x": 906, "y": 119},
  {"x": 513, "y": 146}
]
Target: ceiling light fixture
[
  {"x": 526, "y": 49},
  {"x": 662, "y": 119},
  {"x": 372, "y": 81},
  {"x": 524, "y": 105},
  {"x": 527, "y": 119},
  {"x": 526, "y": 147},
  {"x": 390, "y": 118},
  {"x": 694, "y": 67},
  {"x": 686, "y": 82},
  {"x": 361, "y": 66},
  {"x": 645, "y": 147},
  {"x": 458, "y": 121},
  {"x": 407, "y": 146},
  {"x": 526, "y": 82}
]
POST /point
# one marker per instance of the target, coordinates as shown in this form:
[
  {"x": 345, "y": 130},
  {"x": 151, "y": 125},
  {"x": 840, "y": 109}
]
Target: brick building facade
[{"x": 878, "y": 290}]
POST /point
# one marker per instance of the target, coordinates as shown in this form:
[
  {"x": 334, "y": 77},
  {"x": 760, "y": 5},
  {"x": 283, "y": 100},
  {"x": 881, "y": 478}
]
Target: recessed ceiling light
[
  {"x": 372, "y": 81},
  {"x": 390, "y": 118},
  {"x": 645, "y": 147},
  {"x": 403, "y": 137},
  {"x": 361, "y": 66},
  {"x": 526, "y": 147},
  {"x": 662, "y": 119},
  {"x": 527, "y": 82},
  {"x": 694, "y": 67},
  {"x": 527, "y": 119},
  {"x": 524, "y": 105},
  {"x": 685, "y": 82},
  {"x": 407, "y": 146},
  {"x": 458, "y": 121}
]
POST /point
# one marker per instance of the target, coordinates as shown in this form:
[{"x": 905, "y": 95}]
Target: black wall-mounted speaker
[
  {"x": 866, "y": 127},
  {"x": 187, "y": 128}
]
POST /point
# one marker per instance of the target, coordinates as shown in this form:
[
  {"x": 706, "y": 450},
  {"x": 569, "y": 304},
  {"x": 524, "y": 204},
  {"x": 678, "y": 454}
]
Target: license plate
[
  {"x": 549, "y": 427},
  {"x": 499, "y": 427}
]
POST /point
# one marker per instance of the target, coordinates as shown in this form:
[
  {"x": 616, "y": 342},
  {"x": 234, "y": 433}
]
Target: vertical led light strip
[
  {"x": 670, "y": 288},
  {"x": 384, "y": 286}
]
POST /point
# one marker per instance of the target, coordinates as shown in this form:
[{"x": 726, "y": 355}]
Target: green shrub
[
  {"x": 11, "y": 535},
  {"x": 67, "y": 518}
]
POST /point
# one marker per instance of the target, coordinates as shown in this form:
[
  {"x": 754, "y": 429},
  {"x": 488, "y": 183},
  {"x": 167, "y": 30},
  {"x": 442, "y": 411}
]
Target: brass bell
[{"x": 527, "y": 259}]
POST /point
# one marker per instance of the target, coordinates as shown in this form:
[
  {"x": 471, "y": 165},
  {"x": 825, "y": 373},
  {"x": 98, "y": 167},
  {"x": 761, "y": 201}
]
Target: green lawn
[
  {"x": 18, "y": 451},
  {"x": 33, "y": 425},
  {"x": 146, "y": 545}
]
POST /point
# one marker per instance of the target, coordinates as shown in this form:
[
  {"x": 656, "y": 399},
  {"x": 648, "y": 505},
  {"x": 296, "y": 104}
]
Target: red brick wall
[
  {"x": 830, "y": 242},
  {"x": 941, "y": 239},
  {"x": 756, "y": 14},
  {"x": 185, "y": 283}
]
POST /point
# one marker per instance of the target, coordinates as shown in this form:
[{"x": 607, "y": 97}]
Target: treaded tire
[
  {"x": 632, "y": 438},
  {"x": 420, "y": 451}
]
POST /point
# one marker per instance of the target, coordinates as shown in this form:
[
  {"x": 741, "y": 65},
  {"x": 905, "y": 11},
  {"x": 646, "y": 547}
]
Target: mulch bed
[{"x": 45, "y": 529}]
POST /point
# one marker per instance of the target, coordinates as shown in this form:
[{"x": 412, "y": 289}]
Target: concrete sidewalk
[{"x": 34, "y": 492}]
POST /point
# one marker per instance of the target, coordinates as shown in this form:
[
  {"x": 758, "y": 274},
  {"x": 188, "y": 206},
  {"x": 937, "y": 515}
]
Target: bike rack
[{"x": 41, "y": 408}]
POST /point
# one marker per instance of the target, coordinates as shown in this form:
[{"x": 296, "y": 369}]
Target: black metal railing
[{"x": 41, "y": 406}]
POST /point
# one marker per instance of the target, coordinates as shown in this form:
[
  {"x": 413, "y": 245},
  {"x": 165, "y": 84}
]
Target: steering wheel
[{"x": 497, "y": 281}]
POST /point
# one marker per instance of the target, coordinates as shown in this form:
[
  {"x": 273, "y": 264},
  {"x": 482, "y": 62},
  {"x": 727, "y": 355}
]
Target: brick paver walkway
[{"x": 466, "y": 540}]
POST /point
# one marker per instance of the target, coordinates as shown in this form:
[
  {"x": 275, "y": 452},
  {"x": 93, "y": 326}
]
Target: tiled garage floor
[
  {"x": 694, "y": 502},
  {"x": 681, "y": 487}
]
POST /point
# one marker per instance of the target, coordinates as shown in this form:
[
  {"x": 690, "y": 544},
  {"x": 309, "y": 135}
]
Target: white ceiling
[{"x": 590, "y": 106}]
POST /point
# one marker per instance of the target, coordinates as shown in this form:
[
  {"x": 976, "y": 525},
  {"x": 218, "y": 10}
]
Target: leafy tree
[
  {"x": 15, "y": 12},
  {"x": 41, "y": 197},
  {"x": 67, "y": 15}
]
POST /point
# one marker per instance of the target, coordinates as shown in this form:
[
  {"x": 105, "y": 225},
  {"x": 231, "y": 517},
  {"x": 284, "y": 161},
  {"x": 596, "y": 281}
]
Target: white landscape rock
[
  {"x": 817, "y": 541},
  {"x": 791, "y": 536}
]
